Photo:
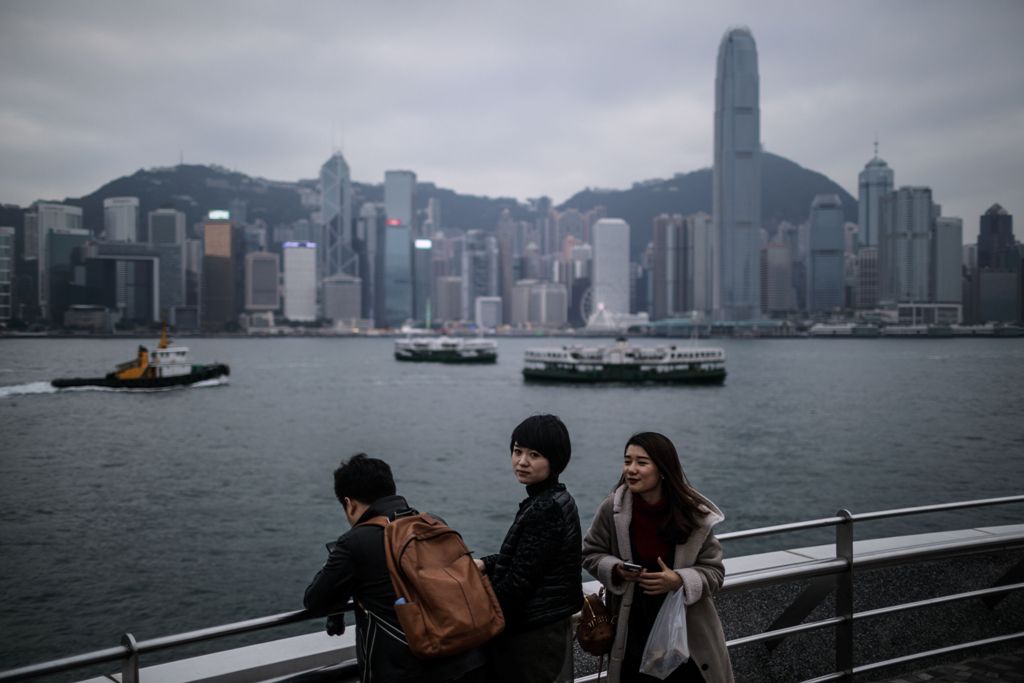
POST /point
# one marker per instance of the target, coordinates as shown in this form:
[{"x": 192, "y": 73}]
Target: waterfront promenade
[{"x": 1007, "y": 667}]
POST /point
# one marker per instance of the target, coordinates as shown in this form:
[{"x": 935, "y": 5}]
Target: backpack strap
[{"x": 379, "y": 520}]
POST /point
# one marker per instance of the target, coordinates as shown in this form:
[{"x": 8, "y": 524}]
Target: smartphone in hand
[{"x": 631, "y": 567}]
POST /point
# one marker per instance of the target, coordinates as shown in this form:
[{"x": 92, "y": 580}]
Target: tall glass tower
[
  {"x": 874, "y": 182},
  {"x": 337, "y": 254},
  {"x": 737, "y": 177}
]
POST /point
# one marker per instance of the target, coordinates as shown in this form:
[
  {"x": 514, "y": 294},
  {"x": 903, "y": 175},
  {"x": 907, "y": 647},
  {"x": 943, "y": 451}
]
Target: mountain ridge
[{"x": 194, "y": 189}]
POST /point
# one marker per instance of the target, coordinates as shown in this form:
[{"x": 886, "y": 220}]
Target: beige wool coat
[{"x": 698, "y": 561}]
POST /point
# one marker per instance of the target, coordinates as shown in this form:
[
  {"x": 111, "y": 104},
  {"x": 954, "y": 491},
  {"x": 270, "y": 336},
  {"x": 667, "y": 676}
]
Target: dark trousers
[
  {"x": 534, "y": 656},
  {"x": 641, "y": 619}
]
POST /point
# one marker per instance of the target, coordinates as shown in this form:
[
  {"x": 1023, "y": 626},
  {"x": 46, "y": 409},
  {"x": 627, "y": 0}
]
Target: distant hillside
[
  {"x": 788, "y": 190},
  {"x": 787, "y": 187}
]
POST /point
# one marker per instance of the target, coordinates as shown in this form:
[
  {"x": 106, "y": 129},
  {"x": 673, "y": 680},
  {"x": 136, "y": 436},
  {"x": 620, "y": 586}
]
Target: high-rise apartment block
[
  {"x": 300, "y": 282},
  {"x": 736, "y": 179}
]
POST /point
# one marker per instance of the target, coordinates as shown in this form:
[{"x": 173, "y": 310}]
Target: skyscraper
[
  {"x": 946, "y": 257},
  {"x": 874, "y": 182},
  {"x": 670, "y": 272},
  {"x": 300, "y": 281},
  {"x": 121, "y": 219},
  {"x": 480, "y": 270},
  {"x": 337, "y": 251},
  {"x": 6, "y": 273},
  {"x": 395, "y": 280},
  {"x": 996, "y": 246},
  {"x": 611, "y": 266},
  {"x": 399, "y": 188},
  {"x": 220, "y": 279},
  {"x": 826, "y": 272},
  {"x": 736, "y": 183},
  {"x": 262, "y": 275},
  {"x": 166, "y": 232},
  {"x": 904, "y": 249}
]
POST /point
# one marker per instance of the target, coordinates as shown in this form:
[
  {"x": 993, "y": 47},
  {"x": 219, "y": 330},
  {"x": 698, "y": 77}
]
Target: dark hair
[
  {"x": 364, "y": 479},
  {"x": 684, "y": 514},
  {"x": 547, "y": 435}
]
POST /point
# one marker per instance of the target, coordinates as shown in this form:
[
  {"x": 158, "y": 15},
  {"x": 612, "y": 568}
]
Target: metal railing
[{"x": 840, "y": 568}]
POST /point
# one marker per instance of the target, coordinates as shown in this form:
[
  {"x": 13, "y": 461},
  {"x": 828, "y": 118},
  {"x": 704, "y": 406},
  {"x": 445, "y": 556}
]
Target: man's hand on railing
[{"x": 335, "y": 624}]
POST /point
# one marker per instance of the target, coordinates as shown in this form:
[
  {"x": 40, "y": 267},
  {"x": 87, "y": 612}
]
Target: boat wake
[
  {"x": 47, "y": 388},
  {"x": 26, "y": 389}
]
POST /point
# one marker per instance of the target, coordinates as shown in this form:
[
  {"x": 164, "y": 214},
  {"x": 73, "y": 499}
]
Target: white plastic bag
[{"x": 667, "y": 647}]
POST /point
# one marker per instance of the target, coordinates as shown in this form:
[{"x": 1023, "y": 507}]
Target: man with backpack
[{"x": 361, "y": 566}]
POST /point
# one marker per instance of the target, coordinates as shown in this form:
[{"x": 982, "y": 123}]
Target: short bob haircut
[
  {"x": 547, "y": 435},
  {"x": 364, "y": 479}
]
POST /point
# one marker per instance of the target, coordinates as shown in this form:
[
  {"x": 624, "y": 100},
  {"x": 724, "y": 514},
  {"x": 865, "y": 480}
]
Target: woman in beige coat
[{"x": 654, "y": 516}]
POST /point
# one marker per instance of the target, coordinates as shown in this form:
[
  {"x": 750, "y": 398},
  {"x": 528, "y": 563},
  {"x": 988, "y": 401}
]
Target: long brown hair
[{"x": 684, "y": 514}]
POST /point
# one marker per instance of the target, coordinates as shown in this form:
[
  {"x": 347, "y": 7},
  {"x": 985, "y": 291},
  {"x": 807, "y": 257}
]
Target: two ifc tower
[{"x": 736, "y": 179}]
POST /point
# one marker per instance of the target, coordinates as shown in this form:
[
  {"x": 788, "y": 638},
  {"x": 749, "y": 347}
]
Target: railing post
[
  {"x": 130, "y": 665},
  {"x": 844, "y": 596}
]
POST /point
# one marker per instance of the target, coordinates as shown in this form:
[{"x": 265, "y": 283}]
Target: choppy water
[{"x": 160, "y": 512}]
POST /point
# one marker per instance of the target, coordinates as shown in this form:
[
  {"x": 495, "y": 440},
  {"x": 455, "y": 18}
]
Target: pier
[{"x": 934, "y": 606}]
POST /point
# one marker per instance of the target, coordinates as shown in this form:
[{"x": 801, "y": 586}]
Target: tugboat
[
  {"x": 447, "y": 350},
  {"x": 165, "y": 366},
  {"x": 625, "y": 363}
]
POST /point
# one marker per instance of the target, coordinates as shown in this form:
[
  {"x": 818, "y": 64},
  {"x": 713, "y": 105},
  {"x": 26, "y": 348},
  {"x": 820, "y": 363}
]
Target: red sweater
[{"x": 643, "y": 534}]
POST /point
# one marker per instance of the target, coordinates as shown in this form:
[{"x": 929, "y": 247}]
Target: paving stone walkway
[{"x": 1002, "y": 668}]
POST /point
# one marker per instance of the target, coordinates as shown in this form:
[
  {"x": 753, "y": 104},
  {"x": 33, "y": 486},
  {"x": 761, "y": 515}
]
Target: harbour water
[{"x": 160, "y": 512}]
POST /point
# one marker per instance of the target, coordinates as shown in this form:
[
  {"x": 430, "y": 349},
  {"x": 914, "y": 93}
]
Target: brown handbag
[{"x": 595, "y": 631}]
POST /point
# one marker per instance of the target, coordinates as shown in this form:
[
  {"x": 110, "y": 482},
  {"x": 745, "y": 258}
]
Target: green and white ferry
[
  {"x": 446, "y": 350},
  {"x": 623, "y": 362}
]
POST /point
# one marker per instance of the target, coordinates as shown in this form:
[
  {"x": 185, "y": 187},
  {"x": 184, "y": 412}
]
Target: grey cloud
[{"x": 521, "y": 99}]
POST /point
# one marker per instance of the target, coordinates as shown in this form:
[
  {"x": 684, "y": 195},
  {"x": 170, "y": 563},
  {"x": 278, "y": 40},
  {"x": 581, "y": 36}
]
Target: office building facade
[
  {"x": 337, "y": 249},
  {"x": 220, "y": 281},
  {"x": 874, "y": 182},
  {"x": 826, "y": 271},
  {"x": 300, "y": 281},
  {"x": 611, "y": 265},
  {"x": 736, "y": 177},
  {"x": 121, "y": 219},
  {"x": 262, "y": 282}
]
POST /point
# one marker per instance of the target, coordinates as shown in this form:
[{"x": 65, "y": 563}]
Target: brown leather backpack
[
  {"x": 446, "y": 605},
  {"x": 596, "y": 629}
]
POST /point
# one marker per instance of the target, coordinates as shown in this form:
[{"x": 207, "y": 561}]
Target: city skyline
[{"x": 453, "y": 92}]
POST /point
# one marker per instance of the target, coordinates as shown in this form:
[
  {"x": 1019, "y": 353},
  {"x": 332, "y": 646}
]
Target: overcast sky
[{"x": 516, "y": 98}]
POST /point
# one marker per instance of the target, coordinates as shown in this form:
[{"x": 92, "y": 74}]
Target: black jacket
[
  {"x": 356, "y": 568},
  {"x": 536, "y": 574}
]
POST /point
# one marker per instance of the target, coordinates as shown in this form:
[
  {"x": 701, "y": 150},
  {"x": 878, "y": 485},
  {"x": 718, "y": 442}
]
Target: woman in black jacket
[{"x": 536, "y": 574}]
